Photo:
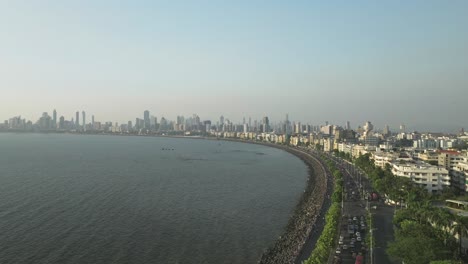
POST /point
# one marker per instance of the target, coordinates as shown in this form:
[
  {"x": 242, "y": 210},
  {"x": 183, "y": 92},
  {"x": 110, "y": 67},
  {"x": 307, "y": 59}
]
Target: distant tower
[
  {"x": 402, "y": 128},
  {"x": 326, "y": 123},
  {"x": 243, "y": 120},
  {"x": 348, "y": 125},
  {"x": 266, "y": 124},
  {"x": 221, "y": 120},
  {"x": 77, "y": 119},
  {"x": 83, "y": 113},
  {"x": 62, "y": 122},
  {"x": 55, "y": 118},
  {"x": 368, "y": 128},
  {"x": 386, "y": 131},
  {"x": 129, "y": 126},
  {"x": 92, "y": 120},
  {"x": 146, "y": 118},
  {"x": 250, "y": 121}
]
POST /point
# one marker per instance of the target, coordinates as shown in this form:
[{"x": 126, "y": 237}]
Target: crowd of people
[{"x": 288, "y": 247}]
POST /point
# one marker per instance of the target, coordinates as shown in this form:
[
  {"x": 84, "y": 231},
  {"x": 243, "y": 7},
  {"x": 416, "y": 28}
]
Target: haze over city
[{"x": 391, "y": 62}]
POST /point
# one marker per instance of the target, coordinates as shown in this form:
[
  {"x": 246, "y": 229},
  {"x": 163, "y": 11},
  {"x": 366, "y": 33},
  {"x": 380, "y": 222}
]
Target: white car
[
  {"x": 345, "y": 247},
  {"x": 338, "y": 250},
  {"x": 358, "y": 239},
  {"x": 358, "y": 234}
]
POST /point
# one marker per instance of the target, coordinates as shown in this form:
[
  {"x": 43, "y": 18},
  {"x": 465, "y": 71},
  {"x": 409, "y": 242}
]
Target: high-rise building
[
  {"x": 92, "y": 119},
  {"x": 62, "y": 122},
  {"x": 83, "y": 113},
  {"x": 54, "y": 119},
  {"x": 146, "y": 118},
  {"x": 266, "y": 124},
  {"x": 137, "y": 123},
  {"x": 348, "y": 125},
  {"x": 77, "y": 120},
  {"x": 386, "y": 131}
]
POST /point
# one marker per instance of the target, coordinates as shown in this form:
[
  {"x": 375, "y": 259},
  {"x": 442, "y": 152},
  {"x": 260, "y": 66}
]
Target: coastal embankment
[{"x": 306, "y": 223}]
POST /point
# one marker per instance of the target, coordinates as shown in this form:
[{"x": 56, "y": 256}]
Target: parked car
[
  {"x": 359, "y": 239},
  {"x": 338, "y": 250}
]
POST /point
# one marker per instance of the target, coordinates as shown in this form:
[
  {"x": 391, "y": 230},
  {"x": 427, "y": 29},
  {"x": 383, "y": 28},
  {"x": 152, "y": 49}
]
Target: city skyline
[
  {"x": 147, "y": 119},
  {"x": 388, "y": 62}
]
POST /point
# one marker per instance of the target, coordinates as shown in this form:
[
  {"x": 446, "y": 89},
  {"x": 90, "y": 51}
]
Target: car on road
[
  {"x": 358, "y": 234},
  {"x": 359, "y": 239},
  {"x": 353, "y": 240},
  {"x": 351, "y": 244},
  {"x": 345, "y": 247},
  {"x": 338, "y": 250}
]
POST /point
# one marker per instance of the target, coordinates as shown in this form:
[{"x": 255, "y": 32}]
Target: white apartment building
[
  {"x": 449, "y": 159},
  {"x": 432, "y": 178},
  {"x": 460, "y": 175},
  {"x": 383, "y": 158},
  {"x": 328, "y": 144},
  {"x": 429, "y": 156}
]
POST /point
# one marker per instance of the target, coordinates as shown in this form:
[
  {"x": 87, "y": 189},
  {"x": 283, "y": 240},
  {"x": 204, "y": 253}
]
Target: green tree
[{"x": 460, "y": 229}]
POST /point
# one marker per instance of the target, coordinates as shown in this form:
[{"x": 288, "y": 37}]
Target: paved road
[
  {"x": 382, "y": 216},
  {"x": 354, "y": 205}
]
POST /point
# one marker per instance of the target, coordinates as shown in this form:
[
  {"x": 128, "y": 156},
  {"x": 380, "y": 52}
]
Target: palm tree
[
  {"x": 424, "y": 211},
  {"x": 460, "y": 229}
]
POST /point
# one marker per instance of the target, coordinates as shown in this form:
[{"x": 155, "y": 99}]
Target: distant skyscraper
[
  {"x": 266, "y": 124},
  {"x": 55, "y": 118},
  {"x": 243, "y": 120},
  {"x": 250, "y": 122},
  {"x": 386, "y": 131},
  {"x": 402, "y": 128},
  {"x": 62, "y": 122},
  {"x": 221, "y": 120},
  {"x": 77, "y": 119},
  {"x": 146, "y": 118},
  {"x": 92, "y": 120},
  {"x": 129, "y": 126},
  {"x": 83, "y": 113},
  {"x": 348, "y": 125}
]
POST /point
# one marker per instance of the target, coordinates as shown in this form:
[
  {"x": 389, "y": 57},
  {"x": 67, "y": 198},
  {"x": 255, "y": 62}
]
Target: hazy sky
[{"x": 383, "y": 61}]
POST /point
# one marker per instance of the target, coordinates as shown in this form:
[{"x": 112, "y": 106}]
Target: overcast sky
[{"x": 389, "y": 62}]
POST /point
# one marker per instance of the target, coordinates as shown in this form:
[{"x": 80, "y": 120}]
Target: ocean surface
[{"x": 123, "y": 199}]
